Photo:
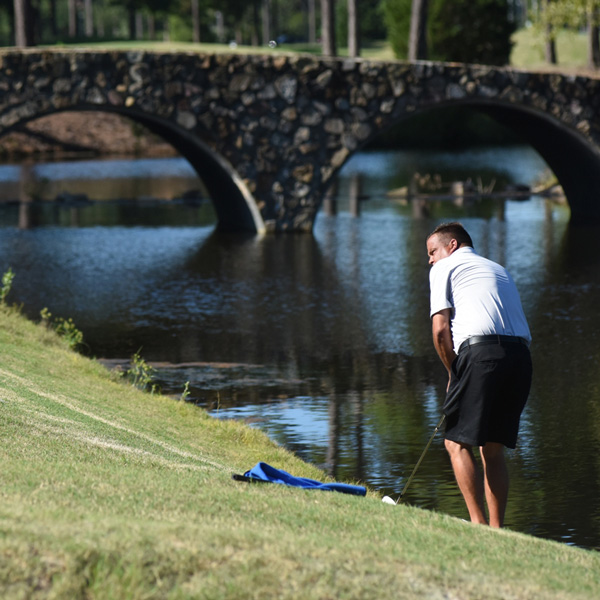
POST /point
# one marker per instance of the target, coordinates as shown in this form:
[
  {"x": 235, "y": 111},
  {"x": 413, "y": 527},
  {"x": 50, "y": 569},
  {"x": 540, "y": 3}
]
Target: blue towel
[{"x": 264, "y": 472}]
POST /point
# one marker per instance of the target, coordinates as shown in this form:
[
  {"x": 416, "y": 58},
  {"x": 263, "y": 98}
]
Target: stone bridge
[{"x": 266, "y": 133}]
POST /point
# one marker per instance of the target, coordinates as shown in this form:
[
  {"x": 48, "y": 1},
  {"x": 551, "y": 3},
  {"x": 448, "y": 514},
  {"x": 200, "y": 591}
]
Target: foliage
[
  {"x": 65, "y": 328},
  {"x": 7, "y": 280},
  {"x": 396, "y": 16},
  {"x": 186, "y": 392},
  {"x": 460, "y": 31},
  {"x": 140, "y": 374},
  {"x": 471, "y": 31},
  {"x": 568, "y": 13},
  {"x": 372, "y": 26}
]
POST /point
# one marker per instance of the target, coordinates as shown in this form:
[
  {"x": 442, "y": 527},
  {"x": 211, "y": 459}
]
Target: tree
[
  {"x": 328, "y": 27},
  {"x": 396, "y": 16},
  {"x": 417, "y": 44},
  {"x": 472, "y": 31},
  {"x": 577, "y": 14},
  {"x": 461, "y": 30}
]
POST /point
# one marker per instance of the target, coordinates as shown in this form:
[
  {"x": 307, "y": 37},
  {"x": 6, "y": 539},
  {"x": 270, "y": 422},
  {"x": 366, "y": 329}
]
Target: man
[{"x": 481, "y": 336}]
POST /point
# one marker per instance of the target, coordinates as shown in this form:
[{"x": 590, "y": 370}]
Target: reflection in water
[{"x": 324, "y": 341}]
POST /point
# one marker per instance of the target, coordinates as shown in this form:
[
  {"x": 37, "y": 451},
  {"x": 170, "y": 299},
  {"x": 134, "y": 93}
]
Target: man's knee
[
  {"x": 492, "y": 450},
  {"x": 453, "y": 448}
]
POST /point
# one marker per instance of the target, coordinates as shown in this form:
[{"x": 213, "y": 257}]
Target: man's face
[{"x": 439, "y": 247}]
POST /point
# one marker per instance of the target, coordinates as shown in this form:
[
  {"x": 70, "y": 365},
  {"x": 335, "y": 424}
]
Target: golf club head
[{"x": 388, "y": 500}]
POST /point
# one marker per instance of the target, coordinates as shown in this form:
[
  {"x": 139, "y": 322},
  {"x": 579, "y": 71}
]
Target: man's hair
[{"x": 454, "y": 230}]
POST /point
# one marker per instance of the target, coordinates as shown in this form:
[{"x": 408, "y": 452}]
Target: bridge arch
[
  {"x": 572, "y": 157},
  {"x": 234, "y": 205}
]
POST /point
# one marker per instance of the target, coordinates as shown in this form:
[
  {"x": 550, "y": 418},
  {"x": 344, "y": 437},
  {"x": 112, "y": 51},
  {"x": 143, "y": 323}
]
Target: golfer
[{"x": 481, "y": 335}]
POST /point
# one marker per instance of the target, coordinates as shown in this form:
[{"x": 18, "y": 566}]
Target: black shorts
[{"x": 489, "y": 385}]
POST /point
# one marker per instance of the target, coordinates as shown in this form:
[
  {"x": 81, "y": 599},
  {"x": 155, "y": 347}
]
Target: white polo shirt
[{"x": 482, "y": 295}]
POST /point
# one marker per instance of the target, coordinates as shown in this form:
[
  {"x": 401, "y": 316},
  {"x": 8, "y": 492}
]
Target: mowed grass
[
  {"x": 527, "y": 52},
  {"x": 108, "y": 493}
]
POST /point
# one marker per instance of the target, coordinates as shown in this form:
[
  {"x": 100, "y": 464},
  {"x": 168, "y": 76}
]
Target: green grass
[
  {"x": 107, "y": 492},
  {"x": 376, "y": 50},
  {"x": 527, "y": 53}
]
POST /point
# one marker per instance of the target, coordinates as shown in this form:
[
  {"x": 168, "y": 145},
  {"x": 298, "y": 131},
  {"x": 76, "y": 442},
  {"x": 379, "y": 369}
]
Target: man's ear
[{"x": 453, "y": 245}]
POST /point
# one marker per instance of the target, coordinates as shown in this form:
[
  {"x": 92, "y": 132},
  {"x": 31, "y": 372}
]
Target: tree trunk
[
  {"x": 594, "y": 46},
  {"x": 353, "y": 29},
  {"x": 255, "y": 33},
  {"x": 23, "y": 23},
  {"x": 139, "y": 25},
  {"x": 266, "y": 22},
  {"x": 550, "y": 42},
  {"x": 328, "y": 27},
  {"x": 220, "y": 27},
  {"x": 417, "y": 42},
  {"x": 53, "y": 22},
  {"x": 593, "y": 38},
  {"x": 100, "y": 15},
  {"x": 195, "y": 22},
  {"x": 151, "y": 27},
  {"x": 312, "y": 22},
  {"x": 131, "y": 20},
  {"x": 89, "y": 18},
  {"x": 72, "y": 18},
  {"x": 20, "y": 28},
  {"x": 550, "y": 49}
]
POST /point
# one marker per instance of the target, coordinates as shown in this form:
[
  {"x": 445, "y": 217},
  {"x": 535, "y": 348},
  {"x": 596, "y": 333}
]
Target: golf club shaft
[{"x": 421, "y": 458}]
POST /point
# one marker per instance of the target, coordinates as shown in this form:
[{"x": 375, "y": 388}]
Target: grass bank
[{"x": 110, "y": 493}]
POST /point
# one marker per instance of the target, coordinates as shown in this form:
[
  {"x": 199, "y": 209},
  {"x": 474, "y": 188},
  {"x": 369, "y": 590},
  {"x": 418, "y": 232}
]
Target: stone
[
  {"x": 286, "y": 87},
  {"x": 324, "y": 79},
  {"x": 186, "y": 119},
  {"x": 304, "y": 173},
  {"x": 339, "y": 158},
  {"x": 335, "y": 126},
  {"x": 240, "y": 82}
]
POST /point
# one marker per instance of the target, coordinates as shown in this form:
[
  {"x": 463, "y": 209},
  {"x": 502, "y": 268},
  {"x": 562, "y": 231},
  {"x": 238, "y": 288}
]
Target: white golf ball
[
  {"x": 387, "y": 500},
  {"x": 272, "y": 44}
]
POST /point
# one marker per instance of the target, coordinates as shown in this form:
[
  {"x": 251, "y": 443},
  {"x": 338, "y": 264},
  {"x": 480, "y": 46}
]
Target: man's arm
[{"x": 442, "y": 337}]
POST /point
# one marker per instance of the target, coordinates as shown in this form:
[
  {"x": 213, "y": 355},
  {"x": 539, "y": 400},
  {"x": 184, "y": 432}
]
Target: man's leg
[
  {"x": 496, "y": 481},
  {"x": 469, "y": 479}
]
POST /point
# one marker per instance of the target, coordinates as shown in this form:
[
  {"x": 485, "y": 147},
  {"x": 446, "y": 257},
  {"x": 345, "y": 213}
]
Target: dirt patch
[{"x": 96, "y": 133}]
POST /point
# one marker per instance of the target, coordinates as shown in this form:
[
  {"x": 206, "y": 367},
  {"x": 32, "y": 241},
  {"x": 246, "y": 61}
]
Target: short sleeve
[{"x": 439, "y": 286}]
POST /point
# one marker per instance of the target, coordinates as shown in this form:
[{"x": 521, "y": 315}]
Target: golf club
[{"x": 389, "y": 500}]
